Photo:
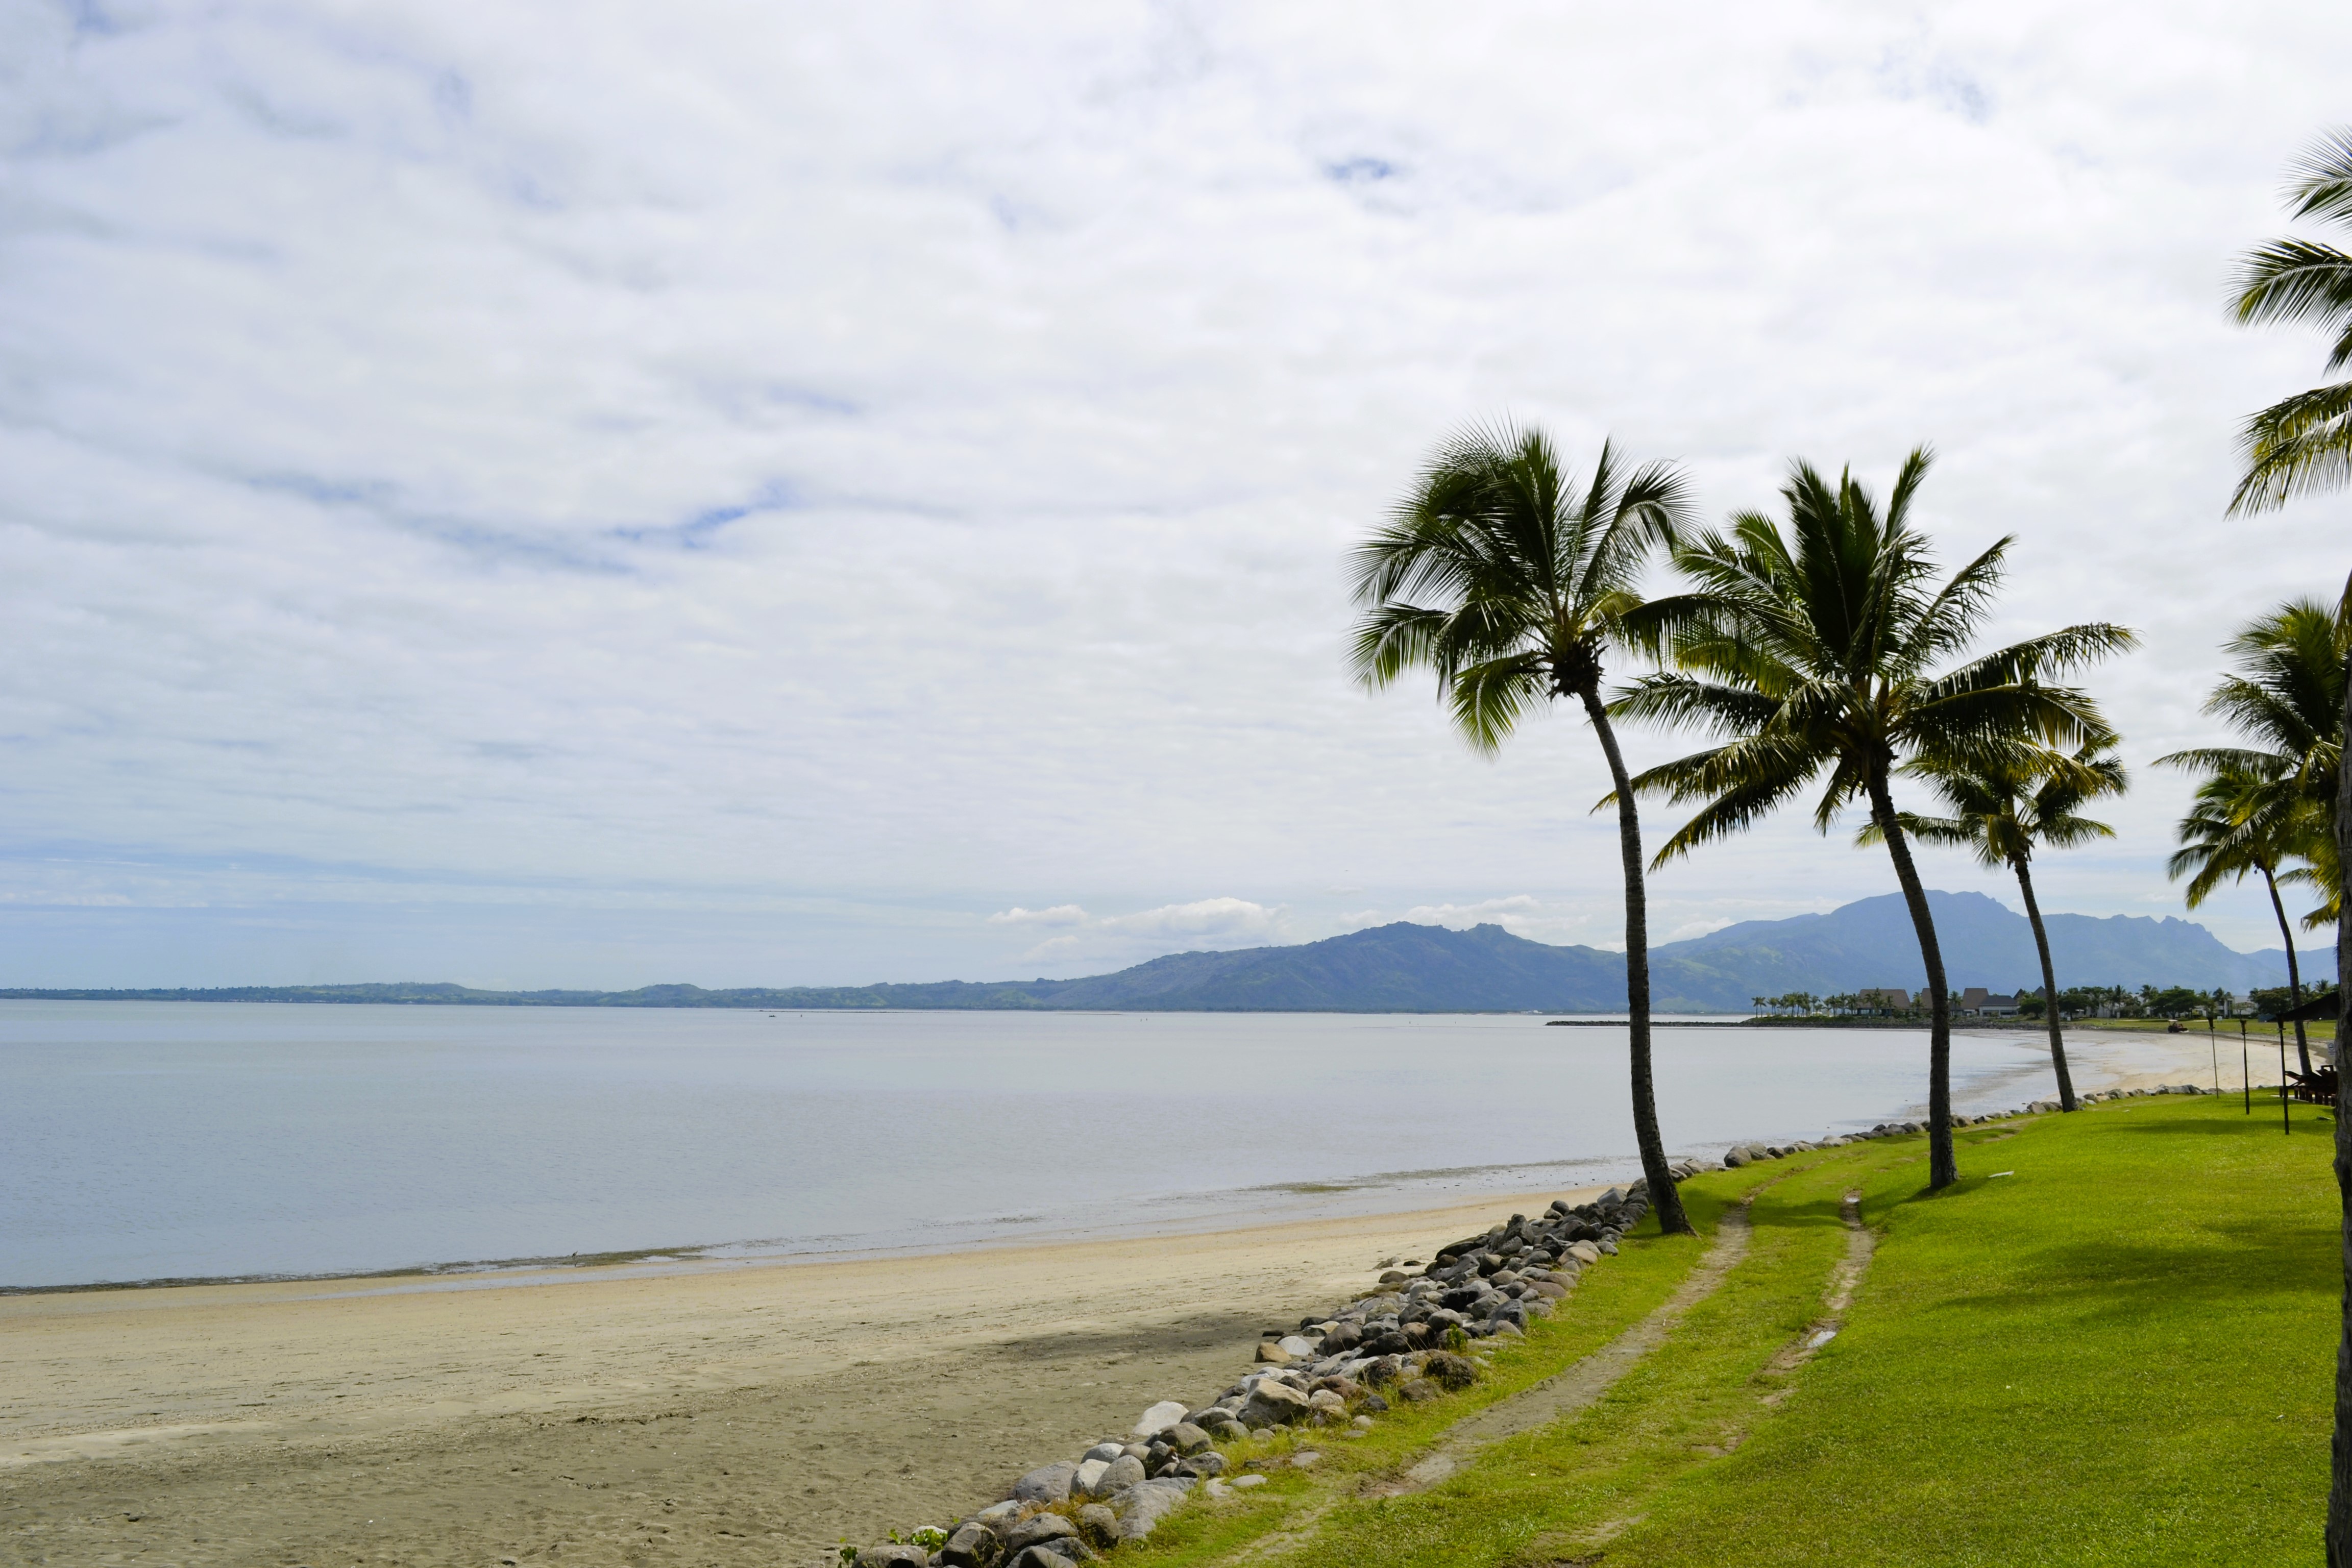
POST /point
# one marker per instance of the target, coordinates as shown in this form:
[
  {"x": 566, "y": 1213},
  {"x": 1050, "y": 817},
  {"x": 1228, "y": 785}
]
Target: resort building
[{"x": 1979, "y": 1002}]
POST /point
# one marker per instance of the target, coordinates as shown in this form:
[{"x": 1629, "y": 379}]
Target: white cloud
[
  {"x": 1221, "y": 920},
  {"x": 1523, "y": 915},
  {"x": 1059, "y": 915},
  {"x": 1204, "y": 923},
  {"x": 894, "y": 460}
]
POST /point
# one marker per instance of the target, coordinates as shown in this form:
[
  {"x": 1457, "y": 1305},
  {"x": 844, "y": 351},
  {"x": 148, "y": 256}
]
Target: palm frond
[
  {"x": 2297, "y": 280},
  {"x": 2322, "y": 187},
  {"x": 2297, "y": 445}
]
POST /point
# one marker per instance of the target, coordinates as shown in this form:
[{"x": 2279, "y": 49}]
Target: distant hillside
[
  {"x": 1984, "y": 942},
  {"x": 1406, "y": 968}
]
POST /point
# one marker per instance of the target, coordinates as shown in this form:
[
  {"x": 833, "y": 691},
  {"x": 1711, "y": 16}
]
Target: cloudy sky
[{"x": 594, "y": 494}]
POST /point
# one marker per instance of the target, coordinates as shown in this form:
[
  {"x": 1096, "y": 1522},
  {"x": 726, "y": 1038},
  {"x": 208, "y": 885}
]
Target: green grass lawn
[{"x": 2122, "y": 1353}]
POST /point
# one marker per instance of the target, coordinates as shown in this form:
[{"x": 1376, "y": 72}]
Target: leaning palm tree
[
  {"x": 2298, "y": 444},
  {"x": 2005, "y": 801},
  {"x": 1813, "y": 646},
  {"x": 2286, "y": 695},
  {"x": 1511, "y": 582},
  {"x": 2244, "y": 823}
]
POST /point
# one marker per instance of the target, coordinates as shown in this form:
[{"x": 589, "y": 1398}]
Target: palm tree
[
  {"x": 1510, "y": 583},
  {"x": 1814, "y": 648},
  {"x": 2003, "y": 802},
  {"x": 2277, "y": 796},
  {"x": 2243, "y": 822},
  {"x": 2297, "y": 445}
]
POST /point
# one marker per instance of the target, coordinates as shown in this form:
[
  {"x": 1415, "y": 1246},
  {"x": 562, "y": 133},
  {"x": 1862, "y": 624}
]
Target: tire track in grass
[
  {"x": 1573, "y": 1388},
  {"x": 1860, "y": 1242},
  {"x": 1577, "y": 1386}
]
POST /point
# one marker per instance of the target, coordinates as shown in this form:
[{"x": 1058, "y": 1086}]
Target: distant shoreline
[{"x": 741, "y": 1001}]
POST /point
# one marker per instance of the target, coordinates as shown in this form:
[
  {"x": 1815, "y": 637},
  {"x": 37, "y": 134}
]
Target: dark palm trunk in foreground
[
  {"x": 2294, "y": 971},
  {"x": 1663, "y": 1196},
  {"x": 1943, "y": 1168},
  {"x": 2049, "y": 992},
  {"x": 2339, "y": 1490}
]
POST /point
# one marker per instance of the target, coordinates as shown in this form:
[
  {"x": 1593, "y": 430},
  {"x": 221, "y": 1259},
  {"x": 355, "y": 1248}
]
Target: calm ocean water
[{"x": 142, "y": 1140}]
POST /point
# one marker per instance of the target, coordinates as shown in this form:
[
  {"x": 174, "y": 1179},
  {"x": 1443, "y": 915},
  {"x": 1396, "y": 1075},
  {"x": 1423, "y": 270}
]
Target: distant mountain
[
  {"x": 1985, "y": 942},
  {"x": 1406, "y": 968}
]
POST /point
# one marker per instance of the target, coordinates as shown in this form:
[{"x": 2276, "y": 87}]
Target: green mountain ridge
[{"x": 1408, "y": 968}]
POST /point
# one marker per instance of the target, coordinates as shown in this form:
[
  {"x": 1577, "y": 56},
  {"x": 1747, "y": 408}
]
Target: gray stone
[
  {"x": 1159, "y": 1418},
  {"x": 1219, "y": 1424},
  {"x": 1044, "y": 1557},
  {"x": 1272, "y": 1404},
  {"x": 1141, "y": 1506},
  {"x": 1098, "y": 1526},
  {"x": 974, "y": 1545},
  {"x": 1187, "y": 1438},
  {"x": 892, "y": 1557},
  {"x": 1295, "y": 1345},
  {"x": 999, "y": 1517},
  {"x": 1453, "y": 1371},
  {"x": 1046, "y": 1483},
  {"x": 1046, "y": 1527},
  {"x": 1117, "y": 1476},
  {"x": 1343, "y": 1339},
  {"x": 1088, "y": 1482},
  {"x": 1306, "y": 1458},
  {"x": 1106, "y": 1452},
  {"x": 1240, "y": 1483},
  {"x": 1416, "y": 1389}
]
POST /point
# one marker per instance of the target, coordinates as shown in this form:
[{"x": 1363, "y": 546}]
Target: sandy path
[{"x": 748, "y": 1417}]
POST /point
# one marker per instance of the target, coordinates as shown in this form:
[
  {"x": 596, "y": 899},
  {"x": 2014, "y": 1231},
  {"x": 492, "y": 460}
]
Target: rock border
[{"x": 1403, "y": 1342}]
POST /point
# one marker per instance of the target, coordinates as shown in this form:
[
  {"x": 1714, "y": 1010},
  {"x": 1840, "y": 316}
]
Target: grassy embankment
[{"x": 2120, "y": 1353}]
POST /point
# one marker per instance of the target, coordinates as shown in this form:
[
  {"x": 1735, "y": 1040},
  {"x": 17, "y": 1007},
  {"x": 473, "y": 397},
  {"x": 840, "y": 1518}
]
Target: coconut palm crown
[
  {"x": 2286, "y": 695},
  {"x": 1512, "y": 583},
  {"x": 1819, "y": 646},
  {"x": 2302, "y": 443},
  {"x": 2274, "y": 801},
  {"x": 2243, "y": 824},
  {"x": 2005, "y": 801}
]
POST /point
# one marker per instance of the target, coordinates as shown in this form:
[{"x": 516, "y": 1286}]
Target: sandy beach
[{"x": 755, "y": 1415}]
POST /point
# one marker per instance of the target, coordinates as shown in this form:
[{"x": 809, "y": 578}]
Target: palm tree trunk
[
  {"x": 2339, "y": 1489},
  {"x": 2294, "y": 971},
  {"x": 2049, "y": 991},
  {"x": 1943, "y": 1168},
  {"x": 1663, "y": 1196}
]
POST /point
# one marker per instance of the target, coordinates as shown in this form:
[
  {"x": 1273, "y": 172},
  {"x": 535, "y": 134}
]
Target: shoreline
[
  {"x": 783, "y": 1405},
  {"x": 1592, "y": 1173}
]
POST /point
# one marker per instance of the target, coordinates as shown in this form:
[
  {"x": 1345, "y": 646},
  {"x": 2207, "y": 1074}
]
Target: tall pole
[
  {"x": 2286, "y": 1118},
  {"x": 2245, "y": 1068},
  {"x": 2214, "y": 1049}
]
